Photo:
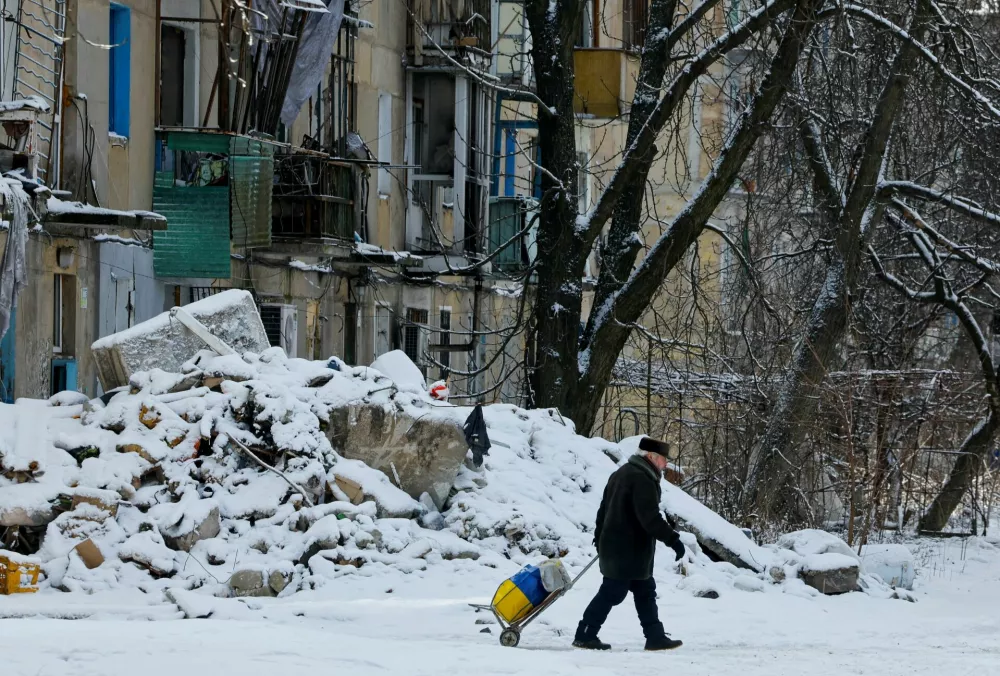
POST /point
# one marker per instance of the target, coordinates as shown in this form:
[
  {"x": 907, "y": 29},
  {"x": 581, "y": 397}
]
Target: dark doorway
[{"x": 172, "y": 48}]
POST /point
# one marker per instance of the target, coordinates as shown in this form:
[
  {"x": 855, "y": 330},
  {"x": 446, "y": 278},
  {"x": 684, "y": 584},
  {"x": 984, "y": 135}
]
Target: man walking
[{"x": 628, "y": 525}]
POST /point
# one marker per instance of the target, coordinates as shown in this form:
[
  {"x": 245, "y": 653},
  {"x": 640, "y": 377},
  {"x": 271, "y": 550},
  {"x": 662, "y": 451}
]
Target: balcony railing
[
  {"x": 460, "y": 26},
  {"x": 313, "y": 198}
]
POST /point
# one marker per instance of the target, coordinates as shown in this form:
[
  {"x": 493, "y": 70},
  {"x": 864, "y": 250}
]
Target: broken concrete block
[
  {"x": 164, "y": 343},
  {"x": 28, "y": 504},
  {"x": 352, "y": 489},
  {"x": 196, "y": 526},
  {"x": 812, "y": 541},
  {"x": 830, "y": 573},
  {"x": 420, "y": 455},
  {"x": 104, "y": 500},
  {"x": 245, "y": 583},
  {"x": 147, "y": 550}
]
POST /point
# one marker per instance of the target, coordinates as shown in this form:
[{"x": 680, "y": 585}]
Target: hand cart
[{"x": 510, "y": 635}]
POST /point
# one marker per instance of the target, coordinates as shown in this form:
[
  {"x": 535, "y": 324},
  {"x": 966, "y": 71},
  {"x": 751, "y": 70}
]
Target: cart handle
[{"x": 582, "y": 573}]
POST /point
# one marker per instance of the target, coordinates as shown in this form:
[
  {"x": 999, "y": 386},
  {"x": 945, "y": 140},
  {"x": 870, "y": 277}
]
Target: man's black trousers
[{"x": 612, "y": 593}]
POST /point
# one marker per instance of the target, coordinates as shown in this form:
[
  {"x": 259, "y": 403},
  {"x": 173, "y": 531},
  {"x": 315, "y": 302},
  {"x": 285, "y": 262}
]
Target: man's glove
[{"x": 678, "y": 548}]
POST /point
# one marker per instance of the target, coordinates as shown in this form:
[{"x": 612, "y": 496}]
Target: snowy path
[{"x": 424, "y": 628}]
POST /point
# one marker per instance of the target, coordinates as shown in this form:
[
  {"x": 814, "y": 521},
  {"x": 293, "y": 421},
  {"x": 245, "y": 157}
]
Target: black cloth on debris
[{"x": 476, "y": 436}]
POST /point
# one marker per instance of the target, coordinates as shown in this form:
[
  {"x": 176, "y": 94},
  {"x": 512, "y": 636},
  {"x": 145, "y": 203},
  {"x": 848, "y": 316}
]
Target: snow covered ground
[{"x": 420, "y": 623}]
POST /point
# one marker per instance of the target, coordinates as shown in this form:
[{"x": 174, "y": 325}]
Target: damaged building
[{"x": 332, "y": 157}]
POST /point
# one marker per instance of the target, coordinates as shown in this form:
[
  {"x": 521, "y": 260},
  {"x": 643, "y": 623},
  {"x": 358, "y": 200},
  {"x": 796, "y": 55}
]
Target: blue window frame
[{"x": 120, "y": 69}]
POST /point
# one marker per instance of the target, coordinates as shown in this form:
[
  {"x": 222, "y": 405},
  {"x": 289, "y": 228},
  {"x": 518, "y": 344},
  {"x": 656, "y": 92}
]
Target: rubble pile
[{"x": 254, "y": 474}]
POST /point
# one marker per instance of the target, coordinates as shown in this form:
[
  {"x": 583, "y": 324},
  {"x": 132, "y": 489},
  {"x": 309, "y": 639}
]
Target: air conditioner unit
[{"x": 281, "y": 323}]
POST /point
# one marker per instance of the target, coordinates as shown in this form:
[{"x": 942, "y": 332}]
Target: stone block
[
  {"x": 165, "y": 343},
  {"x": 830, "y": 573},
  {"x": 420, "y": 455}
]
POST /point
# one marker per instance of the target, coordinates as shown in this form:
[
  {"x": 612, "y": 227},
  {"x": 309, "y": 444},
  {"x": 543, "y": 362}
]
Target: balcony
[
  {"x": 605, "y": 81},
  {"x": 461, "y": 28},
  {"x": 512, "y": 233},
  {"x": 212, "y": 187},
  {"x": 313, "y": 198},
  {"x": 433, "y": 199},
  {"x": 514, "y": 45}
]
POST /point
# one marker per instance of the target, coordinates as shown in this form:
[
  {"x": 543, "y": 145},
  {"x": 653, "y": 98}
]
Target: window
[
  {"x": 444, "y": 356},
  {"x": 120, "y": 69},
  {"x": 351, "y": 333},
  {"x": 63, "y": 314},
  {"x": 419, "y": 130},
  {"x": 733, "y": 14},
  {"x": 583, "y": 182},
  {"x": 384, "y": 141},
  {"x": 57, "y": 314},
  {"x": 172, "y": 49},
  {"x": 636, "y": 19},
  {"x": 413, "y": 336},
  {"x": 342, "y": 113},
  {"x": 585, "y": 39},
  {"x": 382, "y": 340}
]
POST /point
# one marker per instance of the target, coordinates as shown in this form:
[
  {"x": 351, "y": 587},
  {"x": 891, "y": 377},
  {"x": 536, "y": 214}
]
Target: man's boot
[
  {"x": 663, "y": 642},
  {"x": 586, "y": 638}
]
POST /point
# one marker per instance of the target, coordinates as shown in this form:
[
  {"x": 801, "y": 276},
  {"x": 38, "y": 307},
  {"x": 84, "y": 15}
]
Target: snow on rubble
[{"x": 234, "y": 476}]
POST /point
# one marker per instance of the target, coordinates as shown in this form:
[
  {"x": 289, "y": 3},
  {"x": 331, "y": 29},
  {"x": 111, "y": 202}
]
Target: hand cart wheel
[{"x": 509, "y": 638}]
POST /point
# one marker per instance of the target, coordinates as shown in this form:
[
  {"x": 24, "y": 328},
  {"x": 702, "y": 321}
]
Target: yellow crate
[{"x": 18, "y": 577}]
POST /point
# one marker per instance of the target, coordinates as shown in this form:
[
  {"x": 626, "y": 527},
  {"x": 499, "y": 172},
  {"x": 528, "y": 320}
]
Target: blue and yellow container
[{"x": 518, "y": 595}]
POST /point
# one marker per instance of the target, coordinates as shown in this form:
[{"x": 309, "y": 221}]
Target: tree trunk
[
  {"x": 963, "y": 473},
  {"x": 625, "y": 303},
  {"x": 778, "y": 454},
  {"x": 560, "y": 262}
]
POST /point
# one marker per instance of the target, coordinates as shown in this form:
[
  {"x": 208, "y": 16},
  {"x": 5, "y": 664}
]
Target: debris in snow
[
  {"x": 830, "y": 573},
  {"x": 893, "y": 564},
  {"x": 398, "y": 368},
  {"x": 811, "y": 541},
  {"x": 164, "y": 343},
  {"x": 421, "y": 453},
  {"x": 89, "y": 554},
  {"x": 255, "y": 474}
]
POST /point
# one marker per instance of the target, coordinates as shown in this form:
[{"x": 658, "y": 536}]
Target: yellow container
[
  {"x": 510, "y": 602},
  {"x": 18, "y": 576}
]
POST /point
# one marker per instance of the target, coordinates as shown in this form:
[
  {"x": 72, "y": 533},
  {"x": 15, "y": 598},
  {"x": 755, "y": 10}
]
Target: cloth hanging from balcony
[
  {"x": 315, "y": 46},
  {"x": 13, "y": 269}
]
